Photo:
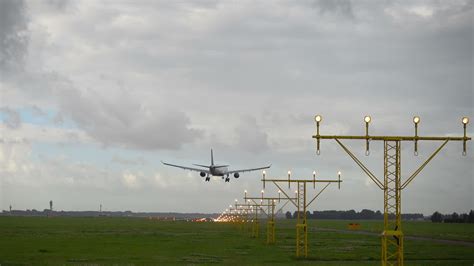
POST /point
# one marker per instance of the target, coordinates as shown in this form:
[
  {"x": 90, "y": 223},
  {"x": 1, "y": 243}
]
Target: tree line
[
  {"x": 453, "y": 218},
  {"x": 364, "y": 214}
]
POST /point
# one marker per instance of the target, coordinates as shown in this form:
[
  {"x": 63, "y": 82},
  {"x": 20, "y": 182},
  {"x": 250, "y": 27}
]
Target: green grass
[
  {"x": 454, "y": 231},
  {"x": 61, "y": 240}
]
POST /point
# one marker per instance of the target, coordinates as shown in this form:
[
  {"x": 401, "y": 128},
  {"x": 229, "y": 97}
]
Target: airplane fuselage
[{"x": 218, "y": 171}]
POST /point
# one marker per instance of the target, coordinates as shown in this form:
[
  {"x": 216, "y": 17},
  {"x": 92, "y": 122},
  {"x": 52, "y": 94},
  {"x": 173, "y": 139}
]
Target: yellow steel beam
[
  {"x": 284, "y": 193},
  {"x": 361, "y": 165},
  {"x": 301, "y": 225},
  {"x": 302, "y": 180},
  {"x": 327, "y": 185},
  {"x": 392, "y": 138}
]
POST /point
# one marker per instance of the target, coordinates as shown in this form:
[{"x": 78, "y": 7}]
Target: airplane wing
[
  {"x": 188, "y": 168},
  {"x": 248, "y": 170}
]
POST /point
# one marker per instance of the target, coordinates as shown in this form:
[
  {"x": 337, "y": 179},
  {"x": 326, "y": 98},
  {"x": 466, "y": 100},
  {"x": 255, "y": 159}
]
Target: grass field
[{"x": 138, "y": 241}]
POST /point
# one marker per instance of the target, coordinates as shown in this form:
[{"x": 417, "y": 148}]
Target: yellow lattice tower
[
  {"x": 301, "y": 205},
  {"x": 392, "y": 236},
  {"x": 271, "y": 204},
  {"x": 244, "y": 214},
  {"x": 255, "y": 208}
]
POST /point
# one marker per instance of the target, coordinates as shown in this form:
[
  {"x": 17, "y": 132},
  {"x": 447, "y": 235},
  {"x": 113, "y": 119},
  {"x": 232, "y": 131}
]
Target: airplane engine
[
  {"x": 202, "y": 174},
  {"x": 236, "y": 175}
]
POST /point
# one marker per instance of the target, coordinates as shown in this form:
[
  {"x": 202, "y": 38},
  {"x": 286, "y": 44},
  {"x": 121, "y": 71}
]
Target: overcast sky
[{"x": 94, "y": 94}]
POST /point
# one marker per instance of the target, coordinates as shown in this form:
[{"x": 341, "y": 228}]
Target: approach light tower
[
  {"x": 271, "y": 203},
  {"x": 254, "y": 208},
  {"x": 301, "y": 204},
  {"x": 392, "y": 185}
]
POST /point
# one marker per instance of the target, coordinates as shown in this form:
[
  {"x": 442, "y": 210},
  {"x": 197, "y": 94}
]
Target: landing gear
[
  {"x": 208, "y": 179},
  {"x": 227, "y": 179}
]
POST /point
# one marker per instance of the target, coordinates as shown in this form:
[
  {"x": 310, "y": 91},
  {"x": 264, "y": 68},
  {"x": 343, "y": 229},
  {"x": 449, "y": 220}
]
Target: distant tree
[
  {"x": 288, "y": 215},
  {"x": 437, "y": 217},
  {"x": 367, "y": 214},
  {"x": 455, "y": 216},
  {"x": 471, "y": 216},
  {"x": 378, "y": 214},
  {"x": 349, "y": 215}
]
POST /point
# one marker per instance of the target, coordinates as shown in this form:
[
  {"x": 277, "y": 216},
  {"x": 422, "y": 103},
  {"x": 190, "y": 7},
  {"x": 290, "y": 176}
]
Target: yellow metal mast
[
  {"x": 271, "y": 204},
  {"x": 301, "y": 204},
  {"x": 255, "y": 207},
  {"x": 392, "y": 236}
]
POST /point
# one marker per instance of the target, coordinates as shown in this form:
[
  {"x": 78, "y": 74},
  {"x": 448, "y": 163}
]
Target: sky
[{"x": 94, "y": 94}]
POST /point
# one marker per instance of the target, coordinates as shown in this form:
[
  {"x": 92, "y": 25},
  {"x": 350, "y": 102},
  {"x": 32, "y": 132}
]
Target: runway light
[
  {"x": 318, "y": 118},
  {"x": 367, "y": 119},
  {"x": 289, "y": 175},
  {"x": 465, "y": 120},
  {"x": 416, "y": 119},
  {"x": 314, "y": 179},
  {"x": 339, "y": 179}
]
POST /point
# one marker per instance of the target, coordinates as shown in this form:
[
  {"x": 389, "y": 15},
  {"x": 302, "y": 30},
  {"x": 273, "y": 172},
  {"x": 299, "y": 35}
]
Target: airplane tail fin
[{"x": 212, "y": 158}]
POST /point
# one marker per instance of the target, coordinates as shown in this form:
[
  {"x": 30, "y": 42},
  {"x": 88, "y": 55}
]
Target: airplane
[{"x": 216, "y": 170}]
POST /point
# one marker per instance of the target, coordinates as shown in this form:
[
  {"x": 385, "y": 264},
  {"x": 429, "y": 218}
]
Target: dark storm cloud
[
  {"x": 12, "y": 118},
  {"x": 119, "y": 120},
  {"x": 13, "y": 34}
]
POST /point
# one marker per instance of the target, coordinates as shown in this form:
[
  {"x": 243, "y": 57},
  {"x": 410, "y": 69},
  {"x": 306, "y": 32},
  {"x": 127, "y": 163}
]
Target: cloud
[
  {"x": 38, "y": 111},
  {"x": 13, "y": 156},
  {"x": 250, "y": 137},
  {"x": 120, "y": 120},
  {"x": 11, "y": 119},
  {"x": 126, "y": 161},
  {"x": 58, "y": 119},
  {"x": 13, "y": 34},
  {"x": 130, "y": 180},
  {"x": 339, "y": 7},
  {"x": 160, "y": 79},
  {"x": 44, "y": 134}
]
